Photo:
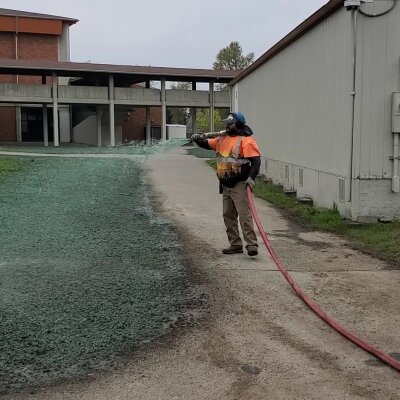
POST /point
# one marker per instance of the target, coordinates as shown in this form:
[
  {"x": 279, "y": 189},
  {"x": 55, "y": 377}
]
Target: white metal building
[{"x": 323, "y": 103}]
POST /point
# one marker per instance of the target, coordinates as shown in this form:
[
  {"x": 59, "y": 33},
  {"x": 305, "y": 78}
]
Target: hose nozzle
[{"x": 210, "y": 135}]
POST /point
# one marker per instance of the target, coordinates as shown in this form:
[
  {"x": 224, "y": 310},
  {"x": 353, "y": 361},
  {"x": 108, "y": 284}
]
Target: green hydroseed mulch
[
  {"x": 87, "y": 270},
  {"x": 132, "y": 148},
  {"x": 7, "y": 165}
]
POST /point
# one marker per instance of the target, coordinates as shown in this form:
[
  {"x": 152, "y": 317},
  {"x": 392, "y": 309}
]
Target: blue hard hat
[{"x": 236, "y": 117}]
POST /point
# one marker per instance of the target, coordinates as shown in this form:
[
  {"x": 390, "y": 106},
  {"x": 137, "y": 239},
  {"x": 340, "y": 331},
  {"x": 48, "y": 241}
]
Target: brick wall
[
  {"x": 133, "y": 127},
  {"x": 7, "y": 45},
  {"x": 36, "y": 47},
  {"x": 8, "y": 129},
  {"x": 7, "y": 50},
  {"x": 30, "y": 47}
]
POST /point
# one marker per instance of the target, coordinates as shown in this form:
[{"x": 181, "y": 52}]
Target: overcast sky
[{"x": 173, "y": 33}]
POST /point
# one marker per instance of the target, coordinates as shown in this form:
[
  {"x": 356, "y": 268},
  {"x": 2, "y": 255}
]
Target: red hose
[{"x": 386, "y": 358}]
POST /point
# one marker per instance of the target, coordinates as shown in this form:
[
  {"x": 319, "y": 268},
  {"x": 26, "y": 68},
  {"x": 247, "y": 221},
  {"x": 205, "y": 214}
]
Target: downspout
[
  {"x": 396, "y": 140},
  {"x": 354, "y": 13},
  {"x": 354, "y": 7},
  {"x": 396, "y": 178}
]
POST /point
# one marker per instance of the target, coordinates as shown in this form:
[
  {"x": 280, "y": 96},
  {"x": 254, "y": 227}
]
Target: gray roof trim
[
  {"x": 72, "y": 69},
  {"x": 26, "y": 14},
  {"x": 320, "y": 15}
]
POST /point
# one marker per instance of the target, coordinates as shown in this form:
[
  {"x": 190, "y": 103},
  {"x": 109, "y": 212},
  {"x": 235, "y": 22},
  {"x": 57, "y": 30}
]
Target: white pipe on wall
[
  {"x": 354, "y": 14},
  {"x": 396, "y": 178}
]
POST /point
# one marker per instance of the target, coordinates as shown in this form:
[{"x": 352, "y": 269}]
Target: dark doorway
[
  {"x": 32, "y": 124},
  {"x": 155, "y": 132}
]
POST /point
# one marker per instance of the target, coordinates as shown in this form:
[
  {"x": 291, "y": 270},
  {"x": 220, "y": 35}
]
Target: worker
[{"x": 238, "y": 164}]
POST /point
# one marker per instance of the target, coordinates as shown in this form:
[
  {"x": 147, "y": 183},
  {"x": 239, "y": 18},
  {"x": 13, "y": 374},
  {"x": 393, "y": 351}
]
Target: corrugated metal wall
[
  {"x": 378, "y": 75},
  {"x": 299, "y": 104}
]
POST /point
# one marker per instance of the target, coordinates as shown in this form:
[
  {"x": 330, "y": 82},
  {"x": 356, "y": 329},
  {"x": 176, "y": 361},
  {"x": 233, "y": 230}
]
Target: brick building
[
  {"x": 134, "y": 124},
  {"x": 95, "y": 104},
  {"x": 31, "y": 36}
]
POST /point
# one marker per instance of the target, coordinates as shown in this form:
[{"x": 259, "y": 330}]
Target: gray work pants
[{"x": 235, "y": 204}]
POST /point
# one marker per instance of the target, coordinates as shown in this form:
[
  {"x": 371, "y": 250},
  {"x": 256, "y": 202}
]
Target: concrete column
[
  {"x": 71, "y": 125},
  {"x": 194, "y": 111},
  {"x": 148, "y": 126},
  {"x": 55, "y": 111},
  {"x": 194, "y": 119},
  {"x": 112, "y": 109},
  {"x": 211, "y": 106},
  {"x": 148, "y": 119},
  {"x": 163, "y": 112},
  {"x": 65, "y": 127},
  {"x": 18, "y": 123},
  {"x": 100, "y": 113},
  {"x": 45, "y": 125}
]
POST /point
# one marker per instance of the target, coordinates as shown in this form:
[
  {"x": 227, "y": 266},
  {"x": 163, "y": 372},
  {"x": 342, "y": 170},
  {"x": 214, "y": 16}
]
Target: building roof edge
[
  {"x": 27, "y": 14},
  {"x": 320, "y": 15}
]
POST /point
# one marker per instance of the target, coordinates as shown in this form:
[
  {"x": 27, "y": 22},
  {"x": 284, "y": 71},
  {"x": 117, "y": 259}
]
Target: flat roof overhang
[
  {"x": 6, "y": 12},
  {"x": 123, "y": 74}
]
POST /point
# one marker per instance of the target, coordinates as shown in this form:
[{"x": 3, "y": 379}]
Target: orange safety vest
[{"x": 232, "y": 153}]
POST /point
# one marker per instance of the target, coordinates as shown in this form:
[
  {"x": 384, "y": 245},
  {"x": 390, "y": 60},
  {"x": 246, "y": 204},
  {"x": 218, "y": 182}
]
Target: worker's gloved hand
[
  {"x": 196, "y": 136},
  {"x": 250, "y": 182}
]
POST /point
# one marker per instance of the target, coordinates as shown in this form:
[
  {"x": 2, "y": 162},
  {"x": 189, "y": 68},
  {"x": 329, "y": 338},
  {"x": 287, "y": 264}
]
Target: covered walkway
[{"x": 107, "y": 91}]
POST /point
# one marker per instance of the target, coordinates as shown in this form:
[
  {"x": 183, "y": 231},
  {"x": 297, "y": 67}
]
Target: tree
[
  {"x": 231, "y": 58},
  {"x": 203, "y": 119}
]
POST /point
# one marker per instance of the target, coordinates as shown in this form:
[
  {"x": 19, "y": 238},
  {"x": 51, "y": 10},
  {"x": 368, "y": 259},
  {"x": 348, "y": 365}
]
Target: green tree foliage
[
  {"x": 178, "y": 115},
  {"x": 203, "y": 119},
  {"x": 231, "y": 58}
]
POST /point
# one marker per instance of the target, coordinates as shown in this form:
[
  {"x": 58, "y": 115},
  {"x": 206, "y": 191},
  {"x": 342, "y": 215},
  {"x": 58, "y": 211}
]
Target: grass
[
  {"x": 326, "y": 219},
  {"x": 212, "y": 163},
  {"x": 382, "y": 240}
]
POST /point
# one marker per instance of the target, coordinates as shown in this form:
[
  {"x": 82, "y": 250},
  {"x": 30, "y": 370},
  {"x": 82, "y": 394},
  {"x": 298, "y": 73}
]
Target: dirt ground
[{"x": 257, "y": 339}]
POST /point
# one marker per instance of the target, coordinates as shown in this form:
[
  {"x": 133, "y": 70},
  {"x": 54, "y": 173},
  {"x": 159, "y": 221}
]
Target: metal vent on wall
[
  {"x": 301, "y": 177},
  {"x": 342, "y": 191},
  {"x": 287, "y": 172}
]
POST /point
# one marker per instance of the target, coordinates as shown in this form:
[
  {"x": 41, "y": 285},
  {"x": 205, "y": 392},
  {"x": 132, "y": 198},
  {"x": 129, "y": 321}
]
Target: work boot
[
  {"x": 232, "y": 250},
  {"x": 252, "y": 251}
]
